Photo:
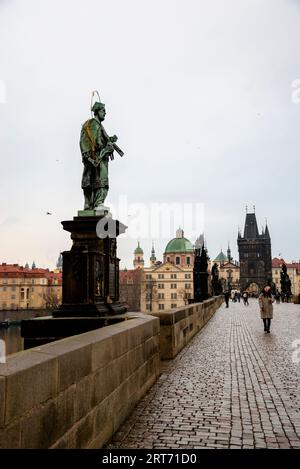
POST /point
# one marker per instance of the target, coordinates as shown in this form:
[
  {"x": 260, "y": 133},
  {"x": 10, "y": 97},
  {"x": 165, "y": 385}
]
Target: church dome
[
  {"x": 179, "y": 244},
  {"x": 221, "y": 257},
  {"x": 138, "y": 250}
]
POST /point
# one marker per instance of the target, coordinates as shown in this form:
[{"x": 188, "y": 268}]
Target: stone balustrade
[
  {"x": 178, "y": 326},
  {"x": 75, "y": 393}
]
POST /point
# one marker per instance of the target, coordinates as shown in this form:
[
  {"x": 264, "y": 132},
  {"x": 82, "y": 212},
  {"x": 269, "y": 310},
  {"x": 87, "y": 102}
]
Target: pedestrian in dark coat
[
  {"x": 266, "y": 307},
  {"x": 226, "y": 295}
]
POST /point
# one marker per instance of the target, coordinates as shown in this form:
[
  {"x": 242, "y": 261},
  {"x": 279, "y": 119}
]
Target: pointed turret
[
  {"x": 26, "y": 265},
  {"x": 229, "y": 253},
  {"x": 138, "y": 261},
  {"x": 153, "y": 257},
  {"x": 33, "y": 265},
  {"x": 267, "y": 233}
]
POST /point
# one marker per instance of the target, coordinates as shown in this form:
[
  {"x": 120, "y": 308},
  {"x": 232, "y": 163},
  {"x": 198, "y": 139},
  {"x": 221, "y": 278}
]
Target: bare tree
[
  {"x": 185, "y": 294},
  {"x": 51, "y": 298},
  {"x": 150, "y": 290}
]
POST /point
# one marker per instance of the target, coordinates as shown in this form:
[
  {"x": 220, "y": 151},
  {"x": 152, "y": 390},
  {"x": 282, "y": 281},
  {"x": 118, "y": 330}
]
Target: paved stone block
[
  {"x": 10, "y": 437},
  {"x": 39, "y": 428},
  {"x": 31, "y": 379},
  {"x": 83, "y": 397},
  {"x": 102, "y": 353}
]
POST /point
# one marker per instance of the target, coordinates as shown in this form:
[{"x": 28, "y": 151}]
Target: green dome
[
  {"x": 179, "y": 245},
  {"x": 138, "y": 250},
  {"x": 221, "y": 257}
]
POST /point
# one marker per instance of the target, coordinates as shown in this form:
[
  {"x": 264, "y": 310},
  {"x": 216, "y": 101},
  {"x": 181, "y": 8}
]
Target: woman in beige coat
[{"x": 266, "y": 307}]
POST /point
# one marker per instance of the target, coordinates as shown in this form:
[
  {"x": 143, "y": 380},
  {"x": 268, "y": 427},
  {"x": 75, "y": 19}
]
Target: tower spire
[
  {"x": 229, "y": 253},
  {"x": 138, "y": 261},
  {"x": 153, "y": 257}
]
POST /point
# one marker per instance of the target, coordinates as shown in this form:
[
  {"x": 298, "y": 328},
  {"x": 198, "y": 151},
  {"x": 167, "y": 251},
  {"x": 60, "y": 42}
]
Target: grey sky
[{"x": 199, "y": 93}]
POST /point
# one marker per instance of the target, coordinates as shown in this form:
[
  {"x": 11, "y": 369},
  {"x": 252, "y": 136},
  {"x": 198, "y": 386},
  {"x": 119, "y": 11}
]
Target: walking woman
[{"x": 266, "y": 307}]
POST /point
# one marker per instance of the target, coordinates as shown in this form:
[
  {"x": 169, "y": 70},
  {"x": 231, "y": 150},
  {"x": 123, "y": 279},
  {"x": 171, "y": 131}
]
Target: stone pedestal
[
  {"x": 90, "y": 291},
  {"x": 91, "y": 269}
]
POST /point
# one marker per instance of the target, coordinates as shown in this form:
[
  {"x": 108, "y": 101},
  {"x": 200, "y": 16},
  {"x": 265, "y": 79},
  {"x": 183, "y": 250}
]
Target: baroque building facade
[
  {"x": 169, "y": 284},
  {"x": 25, "y": 288}
]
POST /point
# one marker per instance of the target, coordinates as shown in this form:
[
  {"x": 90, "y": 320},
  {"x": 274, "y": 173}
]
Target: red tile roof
[
  {"x": 277, "y": 263},
  {"x": 18, "y": 271}
]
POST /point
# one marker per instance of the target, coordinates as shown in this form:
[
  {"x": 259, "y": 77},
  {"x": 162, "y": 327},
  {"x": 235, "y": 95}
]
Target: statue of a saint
[{"x": 96, "y": 149}]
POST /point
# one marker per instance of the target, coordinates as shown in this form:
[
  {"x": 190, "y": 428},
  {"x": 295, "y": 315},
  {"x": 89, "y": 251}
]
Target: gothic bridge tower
[{"x": 254, "y": 256}]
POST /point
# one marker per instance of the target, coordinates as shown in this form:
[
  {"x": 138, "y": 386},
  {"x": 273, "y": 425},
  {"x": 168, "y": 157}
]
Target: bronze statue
[
  {"x": 216, "y": 282},
  {"x": 96, "y": 149},
  {"x": 285, "y": 283}
]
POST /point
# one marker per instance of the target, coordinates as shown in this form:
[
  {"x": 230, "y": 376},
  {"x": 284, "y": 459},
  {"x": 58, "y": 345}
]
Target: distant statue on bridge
[
  {"x": 285, "y": 283},
  {"x": 216, "y": 282}
]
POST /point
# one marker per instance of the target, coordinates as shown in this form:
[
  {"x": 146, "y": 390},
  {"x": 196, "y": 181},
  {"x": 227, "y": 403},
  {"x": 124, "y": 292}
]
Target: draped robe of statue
[{"x": 93, "y": 141}]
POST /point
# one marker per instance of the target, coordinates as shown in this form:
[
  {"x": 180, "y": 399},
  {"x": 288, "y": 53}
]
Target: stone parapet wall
[
  {"x": 19, "y": 314},
  {"x": 178, "y": 326},
  {"x": 75, "y": 393}
]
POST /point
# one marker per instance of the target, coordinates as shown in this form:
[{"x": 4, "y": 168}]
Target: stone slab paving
[{"x": 233, "y": 386}]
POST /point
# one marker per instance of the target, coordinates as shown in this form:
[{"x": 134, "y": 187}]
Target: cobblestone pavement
[{"x": 233, "y": 386}]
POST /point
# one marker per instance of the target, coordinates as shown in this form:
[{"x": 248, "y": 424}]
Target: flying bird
[{"x": 48, "y": 213}]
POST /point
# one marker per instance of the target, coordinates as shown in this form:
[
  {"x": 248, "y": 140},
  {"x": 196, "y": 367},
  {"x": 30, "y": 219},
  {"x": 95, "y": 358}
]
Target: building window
[
  {"x": 32, "y": 289},
  {"x": 27, "y": 293},
  {"x": 173, "y": 285},
  {"x": 32, "y": 281},
  {"x": 173, "y": 275},
  {"x": 173, "y": 305},
  {"x": 13, "y": 288},
  {"x": 161, "y": 296},
  {"x": 177, "y": 260},
  {"x": 14, "y": 280},
  {"x": 188, "y": 276},
  {"x": 187, "y": 286},
  {"x": 161, "y": 285},
  {"x": 161, "y": 276},
  {"x": 188, "y": 260},
  {"x": 13, "y": 297},
  {"x": 161, "y": 306},
  {"x": 173, "y": 296},
  {"x": 168, "y": 259},
  {"x": 22, "y": 294},
  {"x": 148, "y": 306},
  {"x": 148, "y": 276}
]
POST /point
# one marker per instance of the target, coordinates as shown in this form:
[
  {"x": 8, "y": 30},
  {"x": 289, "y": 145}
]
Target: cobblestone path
[{"x": 233, "y": 386}]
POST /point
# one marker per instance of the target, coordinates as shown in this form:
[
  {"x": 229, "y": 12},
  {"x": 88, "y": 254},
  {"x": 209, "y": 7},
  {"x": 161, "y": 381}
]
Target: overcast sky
[{"x": 198, "y": 92}]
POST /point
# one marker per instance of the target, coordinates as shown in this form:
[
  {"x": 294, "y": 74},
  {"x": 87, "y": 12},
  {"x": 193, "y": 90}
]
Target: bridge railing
[{"x": 178, "y": 326}]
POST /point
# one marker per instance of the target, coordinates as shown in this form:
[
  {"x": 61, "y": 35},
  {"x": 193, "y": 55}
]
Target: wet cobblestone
[{"x": 233, "y": 386}]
